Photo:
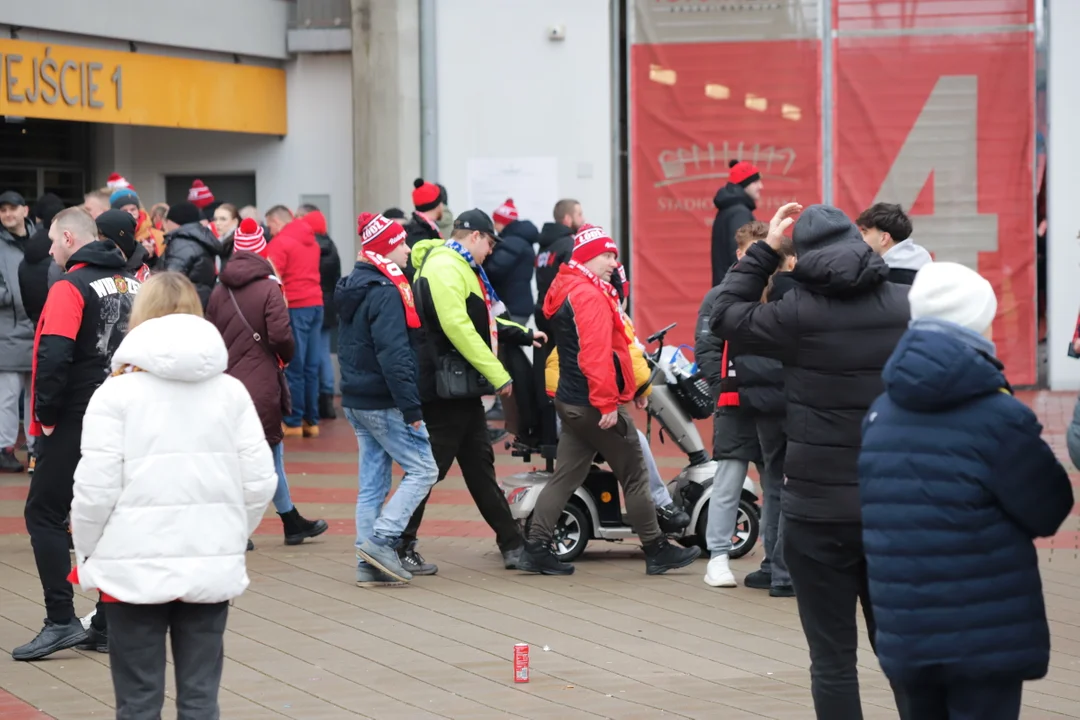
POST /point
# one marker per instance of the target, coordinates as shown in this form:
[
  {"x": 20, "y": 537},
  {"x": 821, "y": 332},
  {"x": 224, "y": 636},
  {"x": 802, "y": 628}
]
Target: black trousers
[
  {"x": 458, "y": 430},
  {"x": 47, "y": 506},
  {"x": 828, "y": 572},
  {"x": 137, "y": 658},
  {"x": 965, "y": 700}
]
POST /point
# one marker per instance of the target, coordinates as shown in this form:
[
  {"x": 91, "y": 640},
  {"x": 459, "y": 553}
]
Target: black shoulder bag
[{"x": 455, "y": 378}]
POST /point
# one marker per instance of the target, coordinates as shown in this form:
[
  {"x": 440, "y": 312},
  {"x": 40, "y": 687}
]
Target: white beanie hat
[{"x": 955, "y": 293}]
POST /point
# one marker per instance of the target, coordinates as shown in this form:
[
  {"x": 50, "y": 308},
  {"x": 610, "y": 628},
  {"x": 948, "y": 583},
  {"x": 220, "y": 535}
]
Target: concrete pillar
[
  {"x": 1063, "y": 188},
  {"x": 386, "y": 102}
]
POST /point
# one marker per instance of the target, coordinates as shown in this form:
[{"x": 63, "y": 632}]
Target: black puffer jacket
[
  {"x": 556, "y": 243},
  {"x": 510, "y": 267},
  {"x": 418, "y": 228},
  {"x": 708, "y": 348},
  {"x": 734, "y": 208},
  {"x": 329, "y": 274},
  {"x": 834, "y": 333},
  {"x": 761, "y": 379},
  {"x": 193, "y": 251},
  {"x": 37, "y": 273}
]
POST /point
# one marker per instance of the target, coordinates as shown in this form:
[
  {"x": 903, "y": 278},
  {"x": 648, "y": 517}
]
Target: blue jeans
[
  {"x": 383, "y": 437},
  {"x": 326, "y": 364},
  {"x": 303, "y": 372},
  {"x": 282, "y": 498}
]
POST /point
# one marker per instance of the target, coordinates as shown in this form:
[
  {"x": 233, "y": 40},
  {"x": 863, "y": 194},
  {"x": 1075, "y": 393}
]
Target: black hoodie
[
  {"x": 734, "y": 208},
  {"x": 192, "y": 250},
  {"x": 556, "y": 246},
  {"x": 834, "y": 332},
  {"x": 378, "y": 362},
  {"x": 82, "y": 324}
]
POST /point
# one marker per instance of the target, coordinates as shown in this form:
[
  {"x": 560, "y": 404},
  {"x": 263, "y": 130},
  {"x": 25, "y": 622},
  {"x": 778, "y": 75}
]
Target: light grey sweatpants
[{"x": 14, "y": 387}]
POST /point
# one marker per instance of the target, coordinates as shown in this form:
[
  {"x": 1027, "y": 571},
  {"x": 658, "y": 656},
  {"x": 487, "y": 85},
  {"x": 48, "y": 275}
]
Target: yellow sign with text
[{"x": 62, "y": 82}]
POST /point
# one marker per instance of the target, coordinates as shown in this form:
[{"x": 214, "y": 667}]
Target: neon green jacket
[{"x": 453, "y": 313}]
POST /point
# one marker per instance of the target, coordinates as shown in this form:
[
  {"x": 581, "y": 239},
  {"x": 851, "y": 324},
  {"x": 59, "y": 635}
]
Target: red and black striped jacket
[{"x": 84, "y": 319}]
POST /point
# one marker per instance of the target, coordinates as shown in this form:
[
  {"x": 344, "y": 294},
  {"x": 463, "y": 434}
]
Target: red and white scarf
[
  {"x": 603, "y": 286},
  {"x": 393, "y": 273}
]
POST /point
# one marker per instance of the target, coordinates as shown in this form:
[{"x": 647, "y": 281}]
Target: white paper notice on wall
[{"x": 532, "y": 183}]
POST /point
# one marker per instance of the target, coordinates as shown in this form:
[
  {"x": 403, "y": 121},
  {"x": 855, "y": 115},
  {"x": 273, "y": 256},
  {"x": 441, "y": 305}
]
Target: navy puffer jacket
[
  {"x": 376, "y": 348},
  {"x": 955, "y": 483}
]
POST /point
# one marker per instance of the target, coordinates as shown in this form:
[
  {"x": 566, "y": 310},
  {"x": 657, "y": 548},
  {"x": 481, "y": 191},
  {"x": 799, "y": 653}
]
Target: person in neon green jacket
[{"x": 462, "y": 315}]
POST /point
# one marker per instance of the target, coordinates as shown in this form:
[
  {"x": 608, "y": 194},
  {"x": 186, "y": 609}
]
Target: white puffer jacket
[{"x": 175, "y": 472}]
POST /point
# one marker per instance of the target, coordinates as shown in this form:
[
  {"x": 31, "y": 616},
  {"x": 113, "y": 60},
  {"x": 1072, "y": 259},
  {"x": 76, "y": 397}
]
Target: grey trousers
[
  {"x": 581, "y": 438},
  {"x": 773, "y": 442},
  {"x": 14, "y": 386},
  {"x": 137, "y": 658}
]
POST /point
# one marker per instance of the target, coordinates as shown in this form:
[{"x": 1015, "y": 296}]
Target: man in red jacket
[
  {"x": 294, "y": 251},
  {"x": 596, "y": 381}
]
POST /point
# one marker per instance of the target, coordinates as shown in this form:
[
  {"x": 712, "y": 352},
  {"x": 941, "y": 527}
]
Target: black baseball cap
[
  {"x": 11, "y": 197},
  {"x": 476, "y": 220}
]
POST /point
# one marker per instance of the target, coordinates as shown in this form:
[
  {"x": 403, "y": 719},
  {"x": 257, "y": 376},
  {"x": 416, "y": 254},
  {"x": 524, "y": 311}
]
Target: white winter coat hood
[
  {"x": 175, "y": 347},
  {"x": 175, "y": 472}
]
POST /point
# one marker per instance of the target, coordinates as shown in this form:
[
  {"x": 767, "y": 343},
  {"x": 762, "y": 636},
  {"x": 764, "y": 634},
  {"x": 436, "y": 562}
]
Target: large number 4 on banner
[{"x": 943, "y": 145}]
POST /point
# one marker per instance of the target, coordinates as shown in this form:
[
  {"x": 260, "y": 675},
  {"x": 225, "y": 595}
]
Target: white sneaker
[{"x": 718, "y": 574}]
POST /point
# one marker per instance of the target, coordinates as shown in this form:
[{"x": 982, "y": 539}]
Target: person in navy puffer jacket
[{"x": 955, "y": 483}]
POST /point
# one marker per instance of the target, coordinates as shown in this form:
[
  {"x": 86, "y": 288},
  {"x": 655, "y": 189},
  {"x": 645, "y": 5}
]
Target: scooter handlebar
[{"x": 659, "y": 334}]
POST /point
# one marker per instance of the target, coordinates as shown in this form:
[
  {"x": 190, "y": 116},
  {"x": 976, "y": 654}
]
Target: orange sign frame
[{"x": 63, "y": 82}]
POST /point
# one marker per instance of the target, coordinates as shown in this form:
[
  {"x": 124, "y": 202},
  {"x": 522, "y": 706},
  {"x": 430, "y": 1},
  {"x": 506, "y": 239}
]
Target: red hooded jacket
[
  {"x": 295, "y": 255},
  {"x": 595, "y": 367}
]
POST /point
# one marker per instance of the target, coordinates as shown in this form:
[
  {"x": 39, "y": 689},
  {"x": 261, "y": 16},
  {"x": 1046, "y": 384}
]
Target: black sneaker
[
  {"x": 95, "y": 640},
  {"x": 758, "y": 580},
  {"x": 536, "y": 558},
  {"x": 251, "y": 545},
  {"x": 672, "y": 518},
  {"x": 414, "y": 562},
  {"x": 661, "y": 556},
  {"x": 781, "y": 591},
  {"x": 512, "y": 558},
  {"x": 54, "y": 637},
  {"x": 8, "y": 462}
]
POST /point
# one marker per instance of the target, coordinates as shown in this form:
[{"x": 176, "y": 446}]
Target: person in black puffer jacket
[
  {"x": 735, "y": 204},
  {"x": 511, "y": 264},
  {"x": 37, "y": 270},
  {"x": 834, "y": 332},
  {"x": 761, "y": 396},
  {"x": 191, "y": 249}
]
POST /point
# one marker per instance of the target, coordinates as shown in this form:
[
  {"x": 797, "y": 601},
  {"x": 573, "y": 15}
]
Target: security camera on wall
[{"x": 556, "y": 33}]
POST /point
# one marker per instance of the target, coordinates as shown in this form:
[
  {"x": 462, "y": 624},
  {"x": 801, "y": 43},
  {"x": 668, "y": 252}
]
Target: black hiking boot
[
  {"x": 414, "y": 562},
  {"x": 661, "y": 556},
  {"x": 298, "y": 528},
  {"x": 326, "y": 407},
  {"x": 8, "y": 462},
  {"x": 672, "y": 518},
  {"x": 537, "y": 558}
]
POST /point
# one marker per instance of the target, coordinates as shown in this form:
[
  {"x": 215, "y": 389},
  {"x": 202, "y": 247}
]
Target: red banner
[
  {"x": 944, "y": 126},
  {"x": 694, "y": 107}
]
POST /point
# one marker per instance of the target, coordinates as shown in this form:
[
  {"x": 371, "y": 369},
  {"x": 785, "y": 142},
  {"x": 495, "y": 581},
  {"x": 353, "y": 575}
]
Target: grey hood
[{"x": 906, "y": 255}]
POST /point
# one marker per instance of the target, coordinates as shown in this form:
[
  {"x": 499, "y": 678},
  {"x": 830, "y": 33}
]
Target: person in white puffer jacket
[{"x": 175, "y": 476}]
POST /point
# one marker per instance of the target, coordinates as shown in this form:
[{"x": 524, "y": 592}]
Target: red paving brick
[{"x": 12, "y": 708}]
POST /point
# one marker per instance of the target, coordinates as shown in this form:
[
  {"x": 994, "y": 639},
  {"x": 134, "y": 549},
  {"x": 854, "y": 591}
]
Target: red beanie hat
[
  {"x": 505, "y": 213},
  {"x": 199, "y": 195},
  {"x": 117, "y": 181},
  {"x": 591, "y": 241},
  {"x": 743, "y": 173},
  {"x": 249, "y": 236},
  {"x": 426, "y": 196},
  {"x": 379, "y": 234}
]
